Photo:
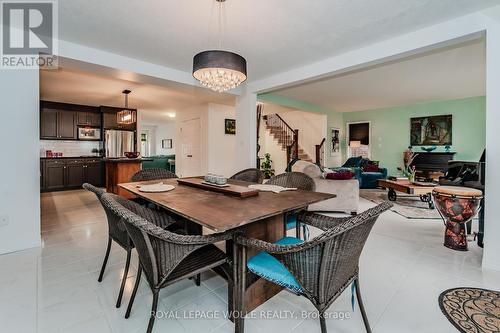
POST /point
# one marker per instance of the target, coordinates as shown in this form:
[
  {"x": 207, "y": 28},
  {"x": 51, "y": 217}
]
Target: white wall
[
  {"x": 311, "y": 126},
  {"x": 20, "y": 167},
  {"x": 221, "y": 147},
  {"x": 160, "y": 130}
]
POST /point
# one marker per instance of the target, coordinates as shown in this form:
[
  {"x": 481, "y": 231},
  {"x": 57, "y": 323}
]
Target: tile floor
[{"x": 54, "y": 288}]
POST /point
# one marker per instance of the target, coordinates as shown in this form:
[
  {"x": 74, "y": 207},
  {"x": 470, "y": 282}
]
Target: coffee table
[{"x": 405, "y": 186}]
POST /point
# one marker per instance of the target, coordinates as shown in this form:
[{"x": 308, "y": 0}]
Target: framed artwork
[
  {"x": 434, "y": 130},
  {"x": 230, "y": 126},
  {"x": 166, "y": 144},
  {"x": 335, "y": 141}
]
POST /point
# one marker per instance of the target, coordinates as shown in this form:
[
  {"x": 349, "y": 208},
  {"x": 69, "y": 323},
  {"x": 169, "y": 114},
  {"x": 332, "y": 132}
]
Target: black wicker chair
[
  {"x": 118, "y": 233},
  {"x": 319, "y": 269},
  {"x": 166, "y": 257},
  {"x": 251, "y": 175},
  {"x": 301, "y": 181},
  {"x": 152, "y": 174},
  {"x": 293, "y": 179}
]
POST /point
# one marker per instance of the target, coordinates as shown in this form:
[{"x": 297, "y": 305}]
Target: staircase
[{"x": 285, "y": 137}]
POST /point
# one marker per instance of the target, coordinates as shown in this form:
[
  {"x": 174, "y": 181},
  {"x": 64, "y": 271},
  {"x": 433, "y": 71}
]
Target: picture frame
[
  {"x": 166, "y": 143},
  {"x": 431, "y": 130},
  {"x": 335, "y": 141},
  {"x": 230, "y": 126}
]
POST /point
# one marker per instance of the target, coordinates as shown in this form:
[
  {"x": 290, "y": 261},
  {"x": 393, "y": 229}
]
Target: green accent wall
[{"x": 390, "y": 129}]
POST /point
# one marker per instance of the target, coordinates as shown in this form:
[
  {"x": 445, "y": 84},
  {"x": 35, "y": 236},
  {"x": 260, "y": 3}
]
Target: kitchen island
[{"x": 121, "y": 170}]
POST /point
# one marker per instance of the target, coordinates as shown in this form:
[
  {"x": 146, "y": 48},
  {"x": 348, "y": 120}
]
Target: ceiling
[
  {"x": 450, "y": 73},
  {"x": 155, "y": 103},
  {"x": 273, "y": 35}
]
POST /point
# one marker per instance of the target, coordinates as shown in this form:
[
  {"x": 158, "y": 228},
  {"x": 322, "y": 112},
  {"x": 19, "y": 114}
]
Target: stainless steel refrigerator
[{"x": 118, "y": 142}]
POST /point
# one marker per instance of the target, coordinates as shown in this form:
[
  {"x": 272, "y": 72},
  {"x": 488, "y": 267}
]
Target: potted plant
[{"x": 267, "y": 167}]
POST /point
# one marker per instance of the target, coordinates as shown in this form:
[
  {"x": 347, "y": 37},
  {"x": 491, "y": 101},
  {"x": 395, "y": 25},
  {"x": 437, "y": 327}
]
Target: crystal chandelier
[{"x": 219, "y": 70}]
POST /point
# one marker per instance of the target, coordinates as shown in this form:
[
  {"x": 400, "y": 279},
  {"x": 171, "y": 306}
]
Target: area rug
[
  {"x": 472, "y": 310},
  {"x": 407, "y": 206}
]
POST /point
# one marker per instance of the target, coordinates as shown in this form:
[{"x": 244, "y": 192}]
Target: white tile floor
[{"x": 53, "y": 289}]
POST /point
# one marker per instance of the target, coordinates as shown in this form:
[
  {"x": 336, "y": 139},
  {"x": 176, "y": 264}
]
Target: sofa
[
  {"x": 347, "y": 191},
  {"x": 166, "y": 162},
  {"x": 367, "y": 179}
]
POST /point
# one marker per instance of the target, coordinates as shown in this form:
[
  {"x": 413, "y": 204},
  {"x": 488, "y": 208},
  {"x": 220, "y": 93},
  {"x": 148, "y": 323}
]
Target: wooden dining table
[{"x": 261, "y": 217}]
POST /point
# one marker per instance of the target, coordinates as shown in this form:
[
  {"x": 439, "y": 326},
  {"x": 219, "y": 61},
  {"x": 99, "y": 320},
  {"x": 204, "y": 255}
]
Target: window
[{"x": 358, "y": 135}]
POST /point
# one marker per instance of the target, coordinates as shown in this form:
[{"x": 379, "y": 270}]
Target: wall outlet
[{"x": 4, "y": 220}]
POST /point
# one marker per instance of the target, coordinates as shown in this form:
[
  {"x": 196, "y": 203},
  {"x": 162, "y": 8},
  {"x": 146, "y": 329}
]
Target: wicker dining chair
[
  {"x": 301, "y": 181},
  {"x": 118, "y": 233},
  {"x": 152, "y": 174},
  {"x": 319, "y": 269},
  {"x": 251, "y": 175},
  {"x": 164, "y": 256}
]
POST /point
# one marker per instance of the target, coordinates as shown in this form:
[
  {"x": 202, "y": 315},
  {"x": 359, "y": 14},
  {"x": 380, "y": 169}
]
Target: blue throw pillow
[{"x": 353, "y": 162}]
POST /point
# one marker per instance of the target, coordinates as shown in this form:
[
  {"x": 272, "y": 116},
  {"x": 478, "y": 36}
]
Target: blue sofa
[{"x": 366, "y": 179}]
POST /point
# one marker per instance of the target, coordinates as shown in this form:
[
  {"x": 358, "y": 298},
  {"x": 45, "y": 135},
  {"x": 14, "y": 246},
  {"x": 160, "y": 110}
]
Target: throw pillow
[
  {"x": 342, "y": 175},
  {"x": 371, "y": 168},
  {"x": 353, "y": 162}
]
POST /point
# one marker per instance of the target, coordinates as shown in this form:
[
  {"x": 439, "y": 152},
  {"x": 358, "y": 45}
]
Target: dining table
[{"x": 261, "y": 217}]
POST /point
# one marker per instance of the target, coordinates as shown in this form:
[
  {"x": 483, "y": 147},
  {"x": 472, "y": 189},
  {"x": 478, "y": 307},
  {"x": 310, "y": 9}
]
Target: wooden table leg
[{"x": 269, "y": 230}]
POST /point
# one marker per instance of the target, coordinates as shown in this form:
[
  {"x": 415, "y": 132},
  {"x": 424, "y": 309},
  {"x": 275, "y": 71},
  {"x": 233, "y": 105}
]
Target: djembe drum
[{"x": 457, "y": 206}]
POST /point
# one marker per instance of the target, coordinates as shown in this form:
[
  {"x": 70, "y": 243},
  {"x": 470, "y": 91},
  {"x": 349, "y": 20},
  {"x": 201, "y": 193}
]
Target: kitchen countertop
[{"x": 127, "y": 160}]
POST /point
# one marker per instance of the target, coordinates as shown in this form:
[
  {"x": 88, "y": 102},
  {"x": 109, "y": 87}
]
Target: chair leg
[
  {"x": 362, "y": 307},
  {"x": 322, "y": 323},
  {"x": 153, "y": 311},
  {"x": 105, "y": 260},
  {"x": 124, "y": 279},
  {"x": 198, "y": 280},
  {"x": 134, "y": 292}
]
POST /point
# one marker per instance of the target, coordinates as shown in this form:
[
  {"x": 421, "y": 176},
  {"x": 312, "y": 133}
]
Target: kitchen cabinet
[
  {"x": 57, "y": 124},
  {"x": 92, "y": 119},
  {"x": 48, "y": 123},
  {"x": 53, "y": 175},
  {"x": 69, "y": 173}
]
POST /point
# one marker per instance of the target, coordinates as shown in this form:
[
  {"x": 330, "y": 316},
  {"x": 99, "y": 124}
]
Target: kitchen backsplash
[{"x": 69, "y": 148}]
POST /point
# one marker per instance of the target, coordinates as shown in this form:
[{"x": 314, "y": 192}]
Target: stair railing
[
  {"x": 287, "y": 136},
  {"x": 320, "y": 154}
]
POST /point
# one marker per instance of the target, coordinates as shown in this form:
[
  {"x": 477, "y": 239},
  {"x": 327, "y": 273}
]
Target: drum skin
[{"x": 456, "y": 210}]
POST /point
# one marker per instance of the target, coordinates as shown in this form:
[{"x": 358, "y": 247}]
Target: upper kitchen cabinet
[
  {"x": 92, "y": 119},
  {"x": 110, "y": 121},
  {"x": 60, "y": 121},
  {"x": 57, "y": 124}
]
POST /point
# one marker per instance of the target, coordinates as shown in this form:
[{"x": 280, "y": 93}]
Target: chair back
[
  {"x": 152, "y": 174},
  {"x": 299, "y": 180},
  {"x": 115, "y": 207},
  {"x": 251, "y": 175},
  {"x": 116, "y": 228},
  {"x": 327, "y": 264}
]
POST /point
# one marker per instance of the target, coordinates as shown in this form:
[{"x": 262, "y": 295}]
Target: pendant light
[
  {"x": 126, "y": 116},
  {"x": 217, "y": 69}
]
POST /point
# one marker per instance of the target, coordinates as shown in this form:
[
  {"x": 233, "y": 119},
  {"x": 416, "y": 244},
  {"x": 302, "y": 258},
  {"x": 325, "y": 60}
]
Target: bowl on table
[{"x": 132, "y": 154}]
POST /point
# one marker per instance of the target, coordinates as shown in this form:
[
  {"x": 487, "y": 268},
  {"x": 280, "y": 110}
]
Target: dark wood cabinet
[
  {"x": 92, "y": 119},
  {"x": 67, "y": 125},
  {"x": 94, "y": 172},
  {"x": 62, "y": 174},
  {"x": 48, "y": 123},
  {"x": 53, "y": 176},
  {"x": 57, "y": 124}
]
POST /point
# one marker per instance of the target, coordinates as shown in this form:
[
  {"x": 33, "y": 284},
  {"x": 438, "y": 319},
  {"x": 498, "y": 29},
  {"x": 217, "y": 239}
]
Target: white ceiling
[
  {"x": 273, "y": 35},
  {"x": 155, "y": 103},
  {"x": 451, "y": 73}
]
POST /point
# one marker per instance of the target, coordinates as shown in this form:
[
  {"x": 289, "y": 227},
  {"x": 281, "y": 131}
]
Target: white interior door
[{"x": 191, "y": 148}]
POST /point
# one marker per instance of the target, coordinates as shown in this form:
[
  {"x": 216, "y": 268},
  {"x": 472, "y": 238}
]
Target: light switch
[{"x": 4, "y": 220}]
